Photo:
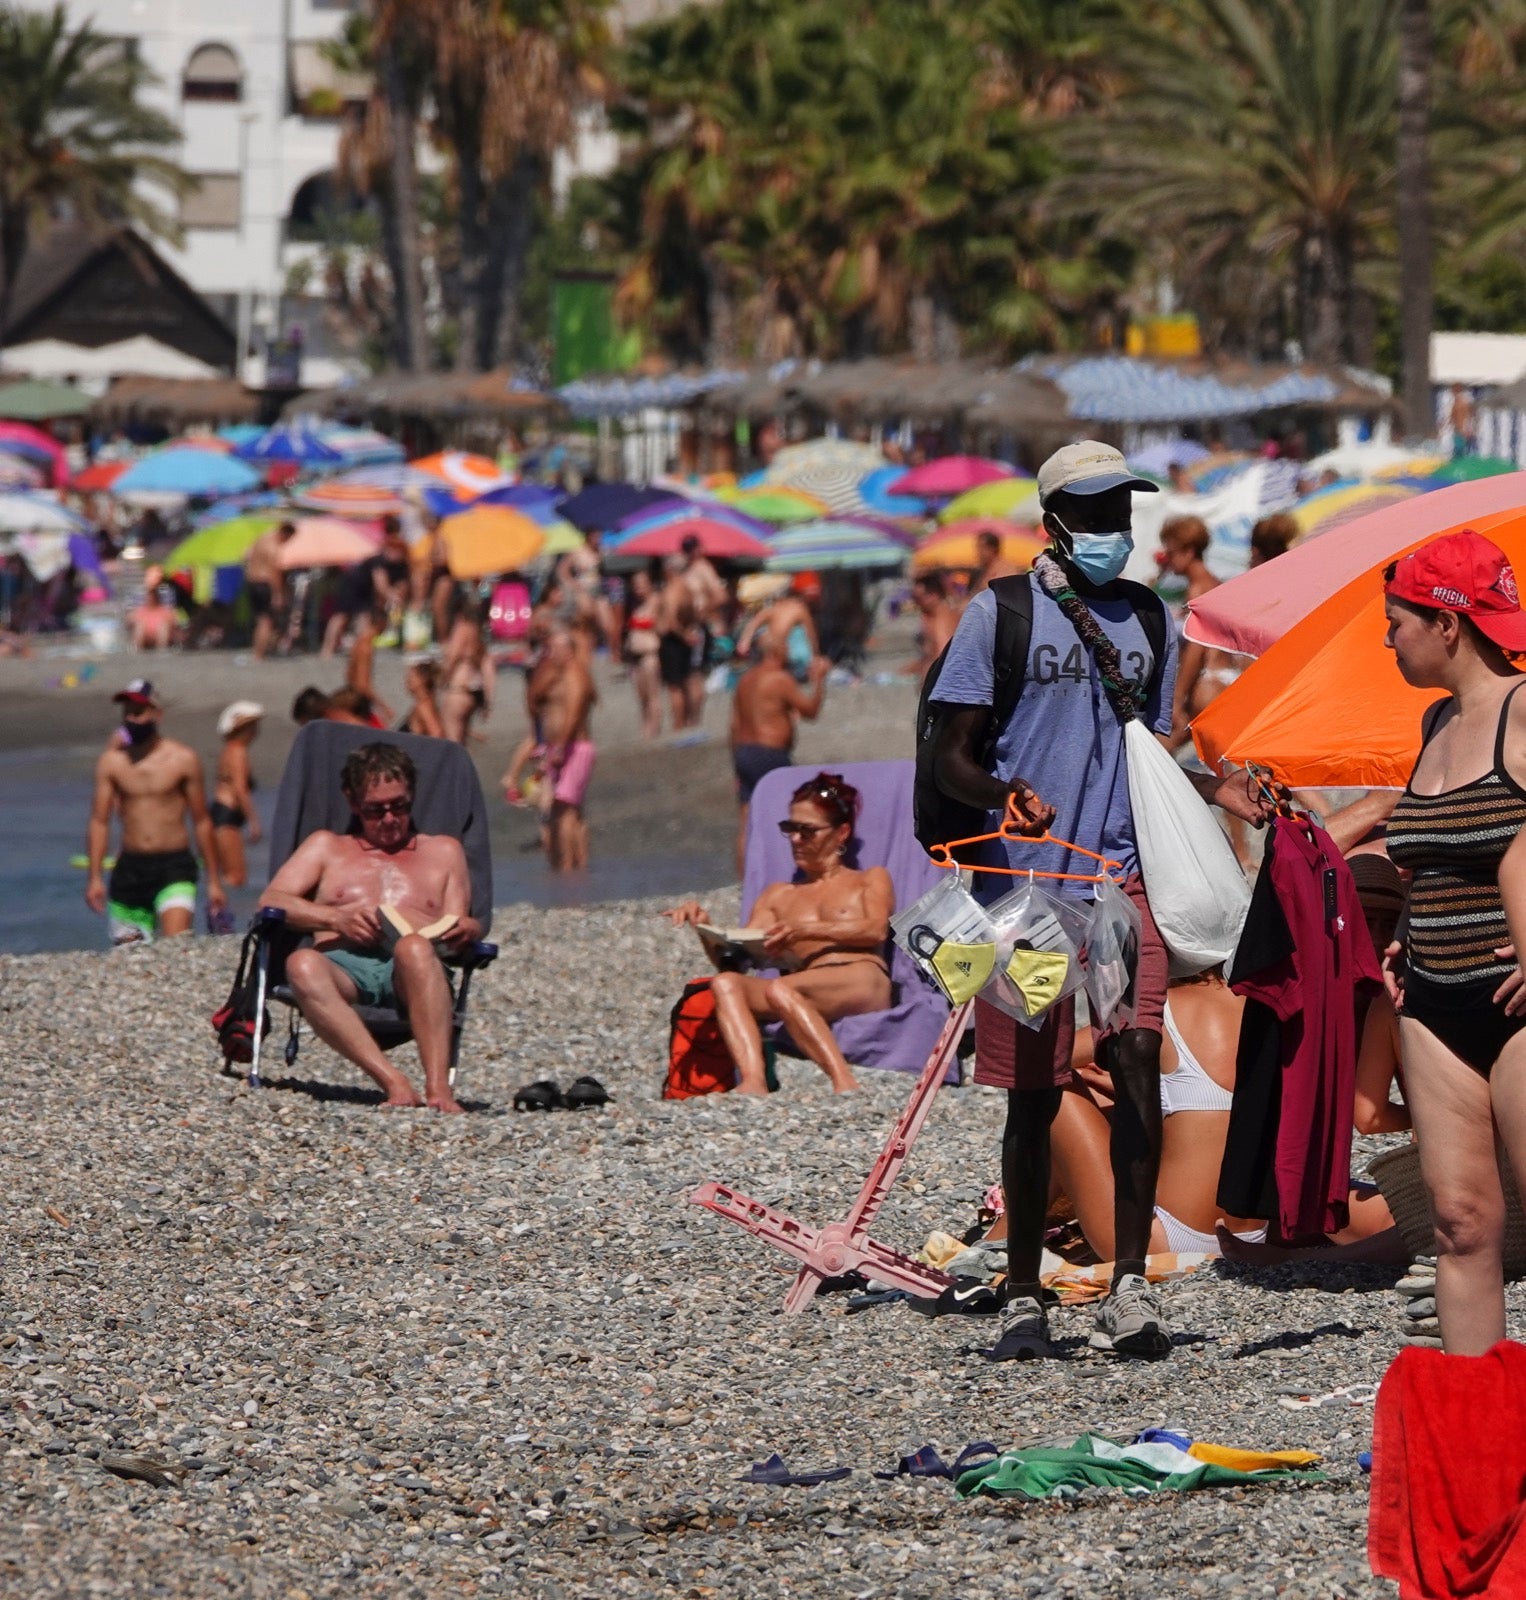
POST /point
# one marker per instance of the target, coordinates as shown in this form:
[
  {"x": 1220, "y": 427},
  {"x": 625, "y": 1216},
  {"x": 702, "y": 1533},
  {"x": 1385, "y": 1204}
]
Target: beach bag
[
  {"x": 233, "y": 1021},
  {"x": 1197, "y": 889},
  {"x": 698, "y": 1060}
]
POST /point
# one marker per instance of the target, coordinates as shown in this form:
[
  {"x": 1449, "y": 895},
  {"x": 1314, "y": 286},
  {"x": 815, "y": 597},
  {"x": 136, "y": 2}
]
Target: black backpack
[{"x": 936, "y": 817}]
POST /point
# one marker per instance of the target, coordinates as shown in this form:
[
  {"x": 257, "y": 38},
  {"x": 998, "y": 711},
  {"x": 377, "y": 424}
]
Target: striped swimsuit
[{"x": 1453, "y": 844}]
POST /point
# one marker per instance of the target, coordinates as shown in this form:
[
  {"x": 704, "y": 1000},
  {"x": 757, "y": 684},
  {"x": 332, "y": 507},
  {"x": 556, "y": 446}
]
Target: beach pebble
[{"x": 404, "y": 1354}]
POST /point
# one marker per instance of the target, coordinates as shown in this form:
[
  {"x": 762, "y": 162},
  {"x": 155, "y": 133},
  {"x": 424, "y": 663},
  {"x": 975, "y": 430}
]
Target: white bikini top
[{"x": 1189, "y": 1088}]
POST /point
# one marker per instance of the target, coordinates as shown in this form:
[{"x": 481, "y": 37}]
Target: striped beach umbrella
[
  {"x": 1340, "y": 503},
  {"x": 361, "y": 446},
  {"x": 1011, "y": 499},
  {"x": 344, "y": 497},
  {"x": 827, "y": 546}
]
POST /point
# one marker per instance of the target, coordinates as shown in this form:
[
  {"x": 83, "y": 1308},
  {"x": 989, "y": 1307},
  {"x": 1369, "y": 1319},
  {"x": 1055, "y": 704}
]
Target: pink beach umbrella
[
  {"x": 330, "y": 542},
  {"x": 721, "y": 541},
  {"x": 1251, "y": 612},
  {"x": 948, "y": 476}
]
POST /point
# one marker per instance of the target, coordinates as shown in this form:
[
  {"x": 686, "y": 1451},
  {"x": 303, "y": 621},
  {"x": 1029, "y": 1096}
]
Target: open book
[
  {"x": 733, "y": 949},
  {"x": 395, "y": 925}
]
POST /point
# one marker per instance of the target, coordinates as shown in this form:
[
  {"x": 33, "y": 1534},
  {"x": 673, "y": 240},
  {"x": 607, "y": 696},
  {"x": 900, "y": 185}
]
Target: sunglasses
[
  {"x": 375, "y": 810},
  {"x": 803, "y": 830}
]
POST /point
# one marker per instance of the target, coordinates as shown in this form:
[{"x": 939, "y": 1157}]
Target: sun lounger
[
  {"x": 902, "y": 1038},
  {"x": 448, "y": 800}
]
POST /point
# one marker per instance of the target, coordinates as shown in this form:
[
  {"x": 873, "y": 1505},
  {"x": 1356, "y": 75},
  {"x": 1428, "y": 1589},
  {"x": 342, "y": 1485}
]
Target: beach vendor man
[
  {"x": 1060, "y": 757},
  {"x": 153, "y": 784}
]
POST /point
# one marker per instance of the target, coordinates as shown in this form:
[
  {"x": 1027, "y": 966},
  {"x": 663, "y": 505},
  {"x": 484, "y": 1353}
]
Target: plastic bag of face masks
[
  {"x": 1111, "y": 957},
  {"x": 950, "y": 937},
  {"x": 1038, "y": 952}
]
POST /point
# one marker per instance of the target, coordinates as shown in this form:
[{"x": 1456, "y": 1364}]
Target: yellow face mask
[
  {"x": 963, "y": 969},
  {"x": 1038, "y": 976}
]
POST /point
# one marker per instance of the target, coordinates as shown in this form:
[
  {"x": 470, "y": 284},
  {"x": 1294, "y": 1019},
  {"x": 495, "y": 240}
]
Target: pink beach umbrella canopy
[
  {"x": 720, "y": 540},
  {"x": 949, "y": 475},
  {"x": 329, "y": 542}
]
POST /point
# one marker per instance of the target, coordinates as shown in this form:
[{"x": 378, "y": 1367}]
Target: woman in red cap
[{"x": 1455, "y": 623}]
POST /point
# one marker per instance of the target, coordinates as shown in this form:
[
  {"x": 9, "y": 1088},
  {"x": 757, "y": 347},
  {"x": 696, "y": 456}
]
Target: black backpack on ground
[
  {"x": 936, "y": 817},
  {"x": 234, "y": 1020}
]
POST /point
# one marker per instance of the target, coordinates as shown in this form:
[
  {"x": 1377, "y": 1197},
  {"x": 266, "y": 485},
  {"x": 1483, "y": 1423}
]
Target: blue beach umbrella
[
  {"x": 603, "y": 506},
  {"x": 290, "y": 442},
  {"x": 874, "y": 492},
  {"x": 186, "y": 471},
  {"x": 824, "y": 546}
]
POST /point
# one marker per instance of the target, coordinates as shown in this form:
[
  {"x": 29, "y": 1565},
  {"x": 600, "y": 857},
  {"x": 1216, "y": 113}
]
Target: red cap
[{"x": 1464, "y": 572}]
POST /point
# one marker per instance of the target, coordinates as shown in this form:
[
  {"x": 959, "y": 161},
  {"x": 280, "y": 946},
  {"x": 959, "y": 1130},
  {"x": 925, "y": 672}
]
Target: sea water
[{"x": 45, "y": 804}]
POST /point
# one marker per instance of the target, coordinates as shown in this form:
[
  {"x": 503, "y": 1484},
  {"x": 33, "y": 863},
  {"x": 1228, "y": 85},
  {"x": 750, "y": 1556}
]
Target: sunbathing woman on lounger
[{"x": 830, "y": 925}]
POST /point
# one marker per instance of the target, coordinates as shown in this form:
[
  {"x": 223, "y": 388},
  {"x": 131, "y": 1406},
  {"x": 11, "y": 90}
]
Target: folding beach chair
[
  {"x": 902, "y": 1038},
  {"x": 448, "y": 800}
]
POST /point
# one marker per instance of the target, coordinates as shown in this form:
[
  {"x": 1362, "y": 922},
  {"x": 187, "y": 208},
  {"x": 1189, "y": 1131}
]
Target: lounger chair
[
  {"x": 448, "y": 800},
  {"x": 902, "y": 1038}
]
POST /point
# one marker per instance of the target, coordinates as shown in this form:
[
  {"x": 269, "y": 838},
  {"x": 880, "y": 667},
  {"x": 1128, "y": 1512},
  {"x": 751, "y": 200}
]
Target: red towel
[{"x": 1449, "y": 1475}]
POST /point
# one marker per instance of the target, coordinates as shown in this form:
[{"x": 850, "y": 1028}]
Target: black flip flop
[
  {"x": 542, "y": 1096},
  {"x": 585, "y": 1091}
]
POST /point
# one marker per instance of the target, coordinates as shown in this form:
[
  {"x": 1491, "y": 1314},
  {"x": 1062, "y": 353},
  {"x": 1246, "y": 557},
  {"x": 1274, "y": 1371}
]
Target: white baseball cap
[
  {"x": 1088, "y": 467},
  {"x": 236, "y": 715}
]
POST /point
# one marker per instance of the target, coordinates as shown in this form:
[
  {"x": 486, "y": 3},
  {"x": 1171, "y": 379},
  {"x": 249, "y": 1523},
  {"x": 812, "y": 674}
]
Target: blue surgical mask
[
  {"x": 1102, "y": 556},
  {"x": 1099, "y": 557}
]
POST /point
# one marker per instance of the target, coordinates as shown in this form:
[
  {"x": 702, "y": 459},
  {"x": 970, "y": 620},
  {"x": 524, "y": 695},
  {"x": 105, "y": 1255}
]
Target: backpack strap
[
  {"x": 1009, "y": 654},
  {"x": 1151, "y": 612}
]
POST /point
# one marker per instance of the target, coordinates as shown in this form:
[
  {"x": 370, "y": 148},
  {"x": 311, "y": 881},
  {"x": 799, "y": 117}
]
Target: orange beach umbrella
[{"x": 1325, "y": 706}]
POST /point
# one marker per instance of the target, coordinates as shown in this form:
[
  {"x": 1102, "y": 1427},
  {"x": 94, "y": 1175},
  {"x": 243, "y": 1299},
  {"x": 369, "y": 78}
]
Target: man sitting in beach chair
[{"x": 382, "y": 902}]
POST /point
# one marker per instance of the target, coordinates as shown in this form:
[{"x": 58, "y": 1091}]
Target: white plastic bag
[
  {"x": 950, "y": 937},
  {"x": 1197, "y": 889},
  {"x": 1038, "y": 953},
  {"x": 1111, "y": 957}
]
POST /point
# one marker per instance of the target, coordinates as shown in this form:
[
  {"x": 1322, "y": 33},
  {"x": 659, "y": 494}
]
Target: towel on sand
[
  {"x": 1448, "y": 1502},
  {"x": 1139, "y": 1467}
]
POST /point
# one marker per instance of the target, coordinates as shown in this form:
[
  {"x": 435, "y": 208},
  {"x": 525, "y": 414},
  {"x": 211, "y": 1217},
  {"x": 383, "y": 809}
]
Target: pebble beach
[{"x": 407, "y": 1355}]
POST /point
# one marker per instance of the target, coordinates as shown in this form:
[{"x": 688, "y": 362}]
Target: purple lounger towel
[{"x": 901, "y": 1039}]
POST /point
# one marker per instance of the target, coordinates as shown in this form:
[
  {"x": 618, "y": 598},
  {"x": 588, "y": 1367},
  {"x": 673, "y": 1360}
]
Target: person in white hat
[
  {"x": 1099, "y": 652},
  {"x": 233, "y": 798}
]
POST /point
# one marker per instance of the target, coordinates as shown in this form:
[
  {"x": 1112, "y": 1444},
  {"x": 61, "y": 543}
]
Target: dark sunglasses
[
  {"x": 375, "y": 810},
  {"x": 803, "y": 830}
]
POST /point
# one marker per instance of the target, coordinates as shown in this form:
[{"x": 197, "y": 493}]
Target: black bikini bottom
[{"x": 1464, "y": 1016}]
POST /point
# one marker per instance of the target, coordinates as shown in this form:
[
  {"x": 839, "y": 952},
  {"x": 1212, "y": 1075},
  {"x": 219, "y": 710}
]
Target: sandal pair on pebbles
[{"x": 546, "y": 1096}]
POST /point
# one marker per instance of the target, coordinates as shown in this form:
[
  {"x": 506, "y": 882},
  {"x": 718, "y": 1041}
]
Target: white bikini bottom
[{"x": 1188, "y": 1241}]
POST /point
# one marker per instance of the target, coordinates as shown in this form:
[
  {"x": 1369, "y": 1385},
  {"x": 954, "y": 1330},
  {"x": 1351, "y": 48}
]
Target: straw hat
[
  {"x": 1397, "y": 1175},
  {"x": 238, "y": 715}
]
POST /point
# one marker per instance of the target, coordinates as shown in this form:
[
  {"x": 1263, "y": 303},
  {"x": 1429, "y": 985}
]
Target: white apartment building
[
  {"x": 260, "y": 112},
  {"x": 259, "y": 109}
]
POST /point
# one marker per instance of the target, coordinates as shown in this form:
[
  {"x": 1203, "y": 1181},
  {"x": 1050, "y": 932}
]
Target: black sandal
[
  {"x": 542, "y": 1096},
  {"x": 585, "y": 1091}
]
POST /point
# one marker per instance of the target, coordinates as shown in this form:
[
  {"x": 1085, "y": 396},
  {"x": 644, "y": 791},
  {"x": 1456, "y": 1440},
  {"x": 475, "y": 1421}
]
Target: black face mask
[{"x": 139, "y": 733}]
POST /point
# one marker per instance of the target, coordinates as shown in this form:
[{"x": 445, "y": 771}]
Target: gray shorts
[{"x": 371, "y": 975}]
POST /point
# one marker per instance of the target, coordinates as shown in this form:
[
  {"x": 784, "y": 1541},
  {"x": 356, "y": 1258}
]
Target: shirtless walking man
[
  {"x": 152, "y": 783},
  {"x": 765, "y": 709},
  {"x": 333, "y": 887},
  {"x": 680, "y": 646},
  {"x": 265, "y": 583},
  {"x": 560, "y": 697}
]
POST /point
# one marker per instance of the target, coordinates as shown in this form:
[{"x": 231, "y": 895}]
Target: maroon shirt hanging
[{"x": 1303, "y": 961}]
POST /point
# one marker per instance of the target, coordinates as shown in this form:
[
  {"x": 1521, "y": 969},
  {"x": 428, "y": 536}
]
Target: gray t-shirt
[{"x": 1063, "y": 737}]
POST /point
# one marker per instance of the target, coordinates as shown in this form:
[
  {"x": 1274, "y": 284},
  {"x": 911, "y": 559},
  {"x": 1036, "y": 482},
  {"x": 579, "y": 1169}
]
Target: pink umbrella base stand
[{"x": 843, "y": 1247}]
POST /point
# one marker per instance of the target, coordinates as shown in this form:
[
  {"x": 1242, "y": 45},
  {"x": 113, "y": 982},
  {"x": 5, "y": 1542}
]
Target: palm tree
[
  {"x": 509, "y": 78},
  {"x": 1414, "y": 212},
  {"x": 379, "y": 154},
  {"x": 1252, "y": 143},
  {"x": 75, "y": 137}
]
